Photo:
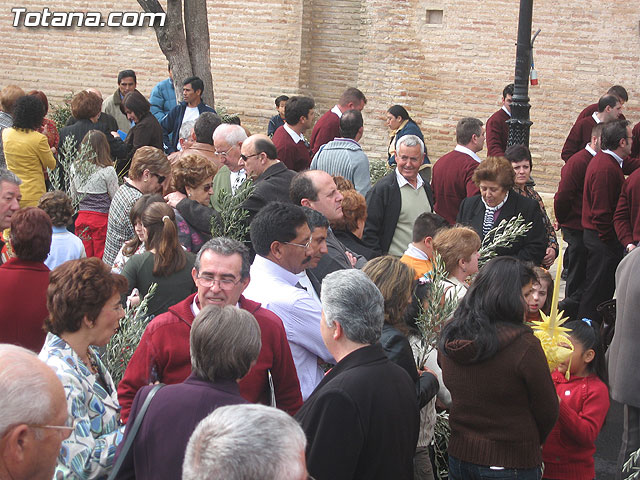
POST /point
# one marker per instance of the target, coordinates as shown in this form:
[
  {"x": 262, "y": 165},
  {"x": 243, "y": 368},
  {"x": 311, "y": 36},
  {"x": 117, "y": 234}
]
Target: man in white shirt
[{"x": 282, "y": 241}]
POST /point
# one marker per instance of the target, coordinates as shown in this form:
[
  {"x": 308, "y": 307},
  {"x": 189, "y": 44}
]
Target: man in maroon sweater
[
  {"x": 328, "y": 126},
  {"x": 497, "y": 126},
  {"x": 451, "y": 178},
  {"x": 617, "y": 91},
  {"x": 609, "y": 108},
  {"x": 626, "y": 219},
  {"x": 567, "y": 204},
  {"x": 602, "y": 185},
  {"x": 635, "y": 148},
  {"x": 221, "y": 274},
  {"x": 293, "y": 148}
]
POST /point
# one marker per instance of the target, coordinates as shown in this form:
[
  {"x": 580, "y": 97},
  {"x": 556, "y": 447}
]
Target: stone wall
[{"x": 389, "y": 49}]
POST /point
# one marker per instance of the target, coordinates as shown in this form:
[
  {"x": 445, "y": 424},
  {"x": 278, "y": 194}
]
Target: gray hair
[
  {"x": 226, "y": 247},
  {"x": 350, "y": 298},
  {"x": 230, "y": 133},
  {"x": 245, "y": 442},
  {"x": 224, "y": 343},
  {"x": 410, "y": 141},
  {"x": 8, "y": 176},
  {"x": 186, "y": 129},
  {"x": 26, "y": 391}
]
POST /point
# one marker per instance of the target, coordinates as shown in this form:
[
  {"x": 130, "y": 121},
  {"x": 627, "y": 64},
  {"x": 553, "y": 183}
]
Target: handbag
[{"x": 133, "y": 432}]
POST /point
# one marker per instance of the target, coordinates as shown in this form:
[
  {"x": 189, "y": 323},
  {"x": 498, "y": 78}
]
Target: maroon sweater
[
  {"x": 451, "y": 182},
  {"x": 590, "y": 110},
  {"x": 504, "y": 407},
  {"x": 567, "y": 201},
  {"x": 326, "y": 129},
  {"x": 602, "y": 185},
  {"x": 295, "y": 156},
  {"x": 497, "y": 133},
  {"x": 635, "y": 147},
  {"x": 626, "y": 219},
  {"x": 578, "y": 138}
]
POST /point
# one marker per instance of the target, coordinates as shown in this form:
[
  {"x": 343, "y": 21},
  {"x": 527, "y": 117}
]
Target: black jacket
[
  {"x": 354, "y": 244},
  {"x": 272, "y": 185},
  {"x": 383, "y": 209},
  {"x": 362, "y": 420},
  {"x": 147, "y": 132},
  {"x": 532, "y": 246},
  {"x": 172, "y": 122}
]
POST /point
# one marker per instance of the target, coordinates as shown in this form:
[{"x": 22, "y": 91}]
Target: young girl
[
  {"x": 539, "y": 300},
  {"x": 584, "y": 403},
  {"x": 97, "y": 191}
]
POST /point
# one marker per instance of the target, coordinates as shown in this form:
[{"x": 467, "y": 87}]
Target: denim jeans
[{"x": 459, "y": 470}]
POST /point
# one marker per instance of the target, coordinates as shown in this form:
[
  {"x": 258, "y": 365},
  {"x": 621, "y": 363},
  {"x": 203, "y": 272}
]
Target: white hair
[
  {"x": 8, "y": 176},
  {"x": 410, "y": 141},
  {"x": 186, "y": 129},
  {"x": 350, "y": 298},
  {"x": 230, "y": 133},
  {"x": 245, "y": 442},
  {"x": 25, "y": 392}
]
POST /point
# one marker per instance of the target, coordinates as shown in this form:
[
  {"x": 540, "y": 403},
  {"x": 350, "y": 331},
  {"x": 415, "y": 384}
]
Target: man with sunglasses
[
  {"x": 221, "y": 274},
  {"x": 282, "y": 241},
  {"x": 34, "y": 416}
]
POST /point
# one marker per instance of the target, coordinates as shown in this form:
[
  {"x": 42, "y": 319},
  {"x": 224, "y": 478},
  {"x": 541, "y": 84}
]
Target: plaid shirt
[{"x": 119, "y": 228}]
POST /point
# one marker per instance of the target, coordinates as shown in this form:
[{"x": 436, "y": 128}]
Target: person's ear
[
  {"x": 589, "y": 355},
  {"x": 16, "y": 442},
  {"x": 338, "y": 332},
  {"x": 194, "y": 274},
  {"x": 88, "y": 323},
  {"x": 305, "y": 202},
  {"x": 276, "y": 250},
  {"x": 245, "y": 282}
]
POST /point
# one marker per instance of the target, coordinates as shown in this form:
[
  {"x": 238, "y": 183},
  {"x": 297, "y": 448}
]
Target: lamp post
[{"x": 519, "y": 123}]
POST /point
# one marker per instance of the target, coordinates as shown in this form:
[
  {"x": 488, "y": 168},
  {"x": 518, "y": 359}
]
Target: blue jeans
[{"x": 459, "y": 470}]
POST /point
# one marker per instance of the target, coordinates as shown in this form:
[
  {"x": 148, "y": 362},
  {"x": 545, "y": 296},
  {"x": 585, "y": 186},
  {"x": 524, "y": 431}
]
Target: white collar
[
  {"x": 195, "y": 309},
  {"x": 403, "y": 181},
  {"x": 337, "y": 111},
  {"x": 414, "y": 252},
  {"x": 472, "y": 154},
  {"x": 497, "y": 207},
  {"x": 590, "y": 150},
  {"x": 596, "y": 118},
  {"x": 296, "y": 138},
  {"x": 275, "y": 270},
  {"x": 506, "y": 111},
  {"x": 614, "y": 155}
]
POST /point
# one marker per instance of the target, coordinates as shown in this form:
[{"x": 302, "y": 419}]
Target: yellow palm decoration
[{"x": 552, "y": 335}]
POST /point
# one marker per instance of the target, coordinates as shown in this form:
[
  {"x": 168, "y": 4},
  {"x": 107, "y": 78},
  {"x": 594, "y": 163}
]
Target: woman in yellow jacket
[{"x": 26, "y": 151}]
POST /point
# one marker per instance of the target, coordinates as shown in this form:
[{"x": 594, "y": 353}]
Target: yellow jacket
[{"x": 27, "y": 154}]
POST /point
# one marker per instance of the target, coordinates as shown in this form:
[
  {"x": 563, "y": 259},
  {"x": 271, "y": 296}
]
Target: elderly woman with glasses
[
  {"x": 83, "y": 299},
  {"x": 193, "y": 177}
]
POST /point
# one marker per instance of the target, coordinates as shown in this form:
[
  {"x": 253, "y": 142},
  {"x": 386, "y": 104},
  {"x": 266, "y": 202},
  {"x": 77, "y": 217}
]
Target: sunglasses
[{"x": 161, "y": 178}]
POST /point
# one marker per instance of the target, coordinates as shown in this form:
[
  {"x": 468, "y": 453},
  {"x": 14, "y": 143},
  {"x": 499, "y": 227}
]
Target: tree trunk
[{"x": 187, "y": 54}]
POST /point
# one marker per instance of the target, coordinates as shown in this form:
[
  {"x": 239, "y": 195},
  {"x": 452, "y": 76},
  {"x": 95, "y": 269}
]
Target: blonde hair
[
  {"x": 149, "y": 158},
  {"x": 455, "y": 244}
]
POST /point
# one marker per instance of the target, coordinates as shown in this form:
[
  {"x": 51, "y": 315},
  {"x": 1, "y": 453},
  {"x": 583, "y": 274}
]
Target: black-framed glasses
[
  {"x": 207, "y": 188},
  {"x": 246, "y": 157},
  {"x": 224, "y": 283},
  {"x": 306, "y": 245},
  {"x": 161, "y": 178}
]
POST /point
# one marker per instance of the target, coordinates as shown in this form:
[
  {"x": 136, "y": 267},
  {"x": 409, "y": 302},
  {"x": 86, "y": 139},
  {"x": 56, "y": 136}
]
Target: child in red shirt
[{"x": 584, "y": 403}]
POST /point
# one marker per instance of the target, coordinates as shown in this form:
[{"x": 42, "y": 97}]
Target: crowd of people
[{"x": 295, "y": 350}]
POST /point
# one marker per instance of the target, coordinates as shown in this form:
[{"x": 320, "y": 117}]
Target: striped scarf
[{"x": 489, "y": 213}]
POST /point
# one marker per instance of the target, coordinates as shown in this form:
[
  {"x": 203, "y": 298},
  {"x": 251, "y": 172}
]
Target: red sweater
[
  {"x": 590, "y": 110},
  {"x": 602, "y": 185},
  {"x": 578, "y": 138},
  {"x": 568, "y": 451},
  {"x": 295, "y": 156},
  {"x": 326, "y": 129},
  {"x": 163, "y": 355},
  {"x": 451, "y": 182},
  {"x": 626, "y": 219},
  {"x": 635, "y": 147},
  {"x": 567, "y": 201},
  {"x": 23, "y": 303},
  {"x": 497, "y": 133}
]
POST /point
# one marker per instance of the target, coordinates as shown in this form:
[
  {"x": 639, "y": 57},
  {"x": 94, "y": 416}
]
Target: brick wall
[{"x": 440, "y": 72}]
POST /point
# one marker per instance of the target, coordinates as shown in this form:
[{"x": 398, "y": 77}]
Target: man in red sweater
[
  {"x": 609, "y": 108},
  {"x": 617, "y": 91},
  {"x": 635, "y": 148},
  {"x": 293, "y": 148},
  {"x": 626, "y": 219},
  {"x": 452, "y": 176},
  {"x": 602, "y": 186},
  {"x": 567, "y": 204},
  {"x": 221, "y": 273},
  {"x": 497, "y": 126},
  {"x": 328, "y": 126}
]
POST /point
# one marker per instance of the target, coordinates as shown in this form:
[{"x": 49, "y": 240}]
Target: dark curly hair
[
  {"x": 28, "y": 113},
  {"x": 58, "y": 206},
  {"x": 31, "y": 234},
  {"x": 79, "y": 288}
]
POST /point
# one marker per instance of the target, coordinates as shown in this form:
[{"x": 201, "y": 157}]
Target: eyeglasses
[
  {"x": 161, "y": 178},
  {"x": 306, "y": 245},
  {"x": 223, "y": 154},
  {"x": 223, "y": 283},
  {"x": 68, "y": 429},
  {"x": 207, "y": 188},
  {"x": 246, "y": 157}
]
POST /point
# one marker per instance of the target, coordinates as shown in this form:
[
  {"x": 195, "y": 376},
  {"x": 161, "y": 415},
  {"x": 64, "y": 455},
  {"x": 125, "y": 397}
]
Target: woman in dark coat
[
  {"x": 401, "y": 124},
  {"x": 498, "y": 201},
  {"x": 225, "y": 343},
  {"x": 146, "y": 131}
]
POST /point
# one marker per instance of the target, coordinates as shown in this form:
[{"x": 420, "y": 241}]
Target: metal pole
[{"x": 519, "y": 123}]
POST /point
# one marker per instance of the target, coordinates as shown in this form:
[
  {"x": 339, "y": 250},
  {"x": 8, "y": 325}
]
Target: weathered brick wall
[{"x": 386, "y": 48}]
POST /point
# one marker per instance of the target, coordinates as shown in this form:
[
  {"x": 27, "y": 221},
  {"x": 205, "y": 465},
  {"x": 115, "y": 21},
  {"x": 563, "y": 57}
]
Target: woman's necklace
[{"x": 93, "y": 363}]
